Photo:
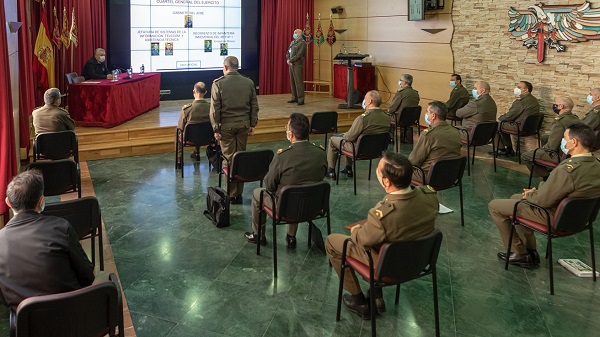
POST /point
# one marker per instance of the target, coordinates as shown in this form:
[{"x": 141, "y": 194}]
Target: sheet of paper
[{"x": 444, "y": 210}]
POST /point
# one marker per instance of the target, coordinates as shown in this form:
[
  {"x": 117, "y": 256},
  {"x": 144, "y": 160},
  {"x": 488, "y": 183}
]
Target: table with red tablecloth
[
  {"x": 364, "y": 80},
  {"x": 107, "y": 103}
]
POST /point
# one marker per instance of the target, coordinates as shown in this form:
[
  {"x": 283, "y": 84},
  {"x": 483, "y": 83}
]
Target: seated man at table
[
  {"x": 405, "y": 213},
  {"x": 95, "y": 68},
  {"x": 39, "y": 254},
  {"x": 196, "y": 112},
  {"x": 50, "y": 117}
]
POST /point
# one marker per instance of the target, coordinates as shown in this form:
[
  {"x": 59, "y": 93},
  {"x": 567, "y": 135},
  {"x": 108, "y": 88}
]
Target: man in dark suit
[
  {"x": 95, "y": 68},
  {"x": 39, "y": 254},
  {"x": 302, "y": 162},
  {"x": 196, "y": 112},
  {"x": 51, "y": 117}
]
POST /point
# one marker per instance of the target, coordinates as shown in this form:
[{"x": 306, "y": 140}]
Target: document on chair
[{"x": 444, "y": 210}]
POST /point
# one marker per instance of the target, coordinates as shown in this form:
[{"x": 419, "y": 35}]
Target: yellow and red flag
[
  {"x": 307, "y": 31},
  {"x": 319, "y": 38},
  {"x": 66, "y": 40},
  {"x": 73, "y": 33},
  {"x": 56, "y": 30},
  {"x": 331, "y": 33},
  {"x": 43, "y": 62}
]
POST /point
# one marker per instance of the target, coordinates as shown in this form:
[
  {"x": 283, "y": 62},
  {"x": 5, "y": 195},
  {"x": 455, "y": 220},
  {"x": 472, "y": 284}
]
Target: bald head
[
  {"x": 375, "y": 97},
  {"x": 298, "y": 33},
  {"x": 566, "y": 101},
  {"x": 482, "y": 87}
]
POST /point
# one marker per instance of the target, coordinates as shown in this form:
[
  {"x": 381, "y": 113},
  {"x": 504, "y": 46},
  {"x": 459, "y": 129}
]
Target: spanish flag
[{"x": 43, "y": 62}]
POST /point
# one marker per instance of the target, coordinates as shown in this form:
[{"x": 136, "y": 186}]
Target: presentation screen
[{"x": 185, "y": 35}]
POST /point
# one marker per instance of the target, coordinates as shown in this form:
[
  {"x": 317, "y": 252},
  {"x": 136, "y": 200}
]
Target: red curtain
[
  {"x": 279, "y": 18},
  {"x": 8, "y": 159},
  {"x": 26, "y": 85}
]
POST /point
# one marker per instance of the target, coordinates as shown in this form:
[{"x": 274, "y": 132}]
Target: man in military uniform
[
  {"x": 525, "y": 105},
  {"x": 440, "y": 140},
  {"x": 295, "y": 59},
  {"x": 302, "y": 162},
  {"x": 406, "y": 97},
  {"x": 233, "y": 114},
  {"x": 372, "y": 121},
  {"x": 405, "y": 213},
  {"x": 578, "y": 176},
  {"x": 482, "y": 109},
  {"x": 95, "y": 67},
  {"x": 563, "y": 107},
  {"x": 196, "y": 112},
  {"x": 592, "y": 118},
  {"x": 459, "y": 96},
  {"x": 51, "y": 118}
]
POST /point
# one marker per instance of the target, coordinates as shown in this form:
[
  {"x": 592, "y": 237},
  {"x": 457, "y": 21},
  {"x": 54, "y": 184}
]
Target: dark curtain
[
  {"x": 26, "y": 84},
  {"x": 279, "y": 18},
  {"x": 8, "y": 161}
]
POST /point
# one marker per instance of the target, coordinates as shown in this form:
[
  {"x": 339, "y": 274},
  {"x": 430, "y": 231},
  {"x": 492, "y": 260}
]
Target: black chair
[
  {"x": 531, "y": 126},
  {"x": 481, "y": 134},
  {"x": 199, "y": 134},
  {"x": 70, "y": 77},
  {"x": 573, "y": 215},
  {"x": 84, "y": 215},
  {"x": 78, "y": 79},
  {"x": 324, "y": 122},
  {"x": 246, "y": 166},
  {"x": 296, "y": 204},
  {"x": 56, "y": 145},
  {"x": 444, "y": 174},
  {"x": 554, "y": 158},
  {"x": 408, "y": 117},
  {"x": 60, "y": 176},
  {"x": 92, "y": 311},
  {"x": 398, "y": 262},
  {"x": 366, "y": 147}
]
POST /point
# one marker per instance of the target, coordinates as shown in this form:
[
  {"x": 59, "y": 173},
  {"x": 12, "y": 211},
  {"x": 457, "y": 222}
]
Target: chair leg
[
  {"x": 462, "y": 214},
  {"x": 436, "y": 313},
  {"x": 274, "y": 248},
  {"x": 370, "y": 164},
  {"x": 260, "y": 229},
  {"x": 494, "y": 154},
  {"x": 93, "y": 246},
  {"x": 468, "y": 160},
  {"x": 372, "y": 304},
  {"x": 593, "y": 252},
  {"x": 354, "y": 175},
  {"x": 220, "y": 176},
  {"x": 396, "y": 137},
  {"x": 519, "y": 148},
  {"x": 100, "y": 248},
  {"x": 337, "y": 176},
  {"x": 550, "y": 264},
  {"x": 310, "y": 224},
  {"x": 512, "y": 232},
  {"x": 397, "y": 294},
  {"x": 340, "y": 290},
  {"x": 531, "y": 172}
]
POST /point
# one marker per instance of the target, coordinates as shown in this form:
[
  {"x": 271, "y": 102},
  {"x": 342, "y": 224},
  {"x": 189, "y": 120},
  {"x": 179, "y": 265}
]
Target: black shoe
[
  {"x": 348, "y": 171},
  {"x": 522, "y": 260},
  {"x": 362, "y": 310},
  {"x": 195, "y": 156},
  {"x": 535, "y": 256},
  {"x": 292, "y": 101},
  {"x": 379, "y": 303},
  {"x": 236, "y": 200},
  {"x": 330, "y": 173},
  {"x": 291, "y": 241},
  {"x": 506, "y": 152},
  {"x": 251, "y": 237},
  {"x": 300, "y": 103}
]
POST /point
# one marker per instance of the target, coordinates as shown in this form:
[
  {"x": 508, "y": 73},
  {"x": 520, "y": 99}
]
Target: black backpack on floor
[{"x": 217, "y": 206}]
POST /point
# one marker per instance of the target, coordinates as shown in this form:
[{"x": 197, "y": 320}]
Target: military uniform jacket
[
  {"x": 398, "y": 217},
  {"x": 559, "y": 125},
  {"x": 297, "y": 51},
  {"x": 50, "y": 118},
  {"x": 521, "y": 108},
  {"x": 372, "y": 121},
  {"x": 592, "y": 118},
  {"x": 573, "y": 177},
  {"x": 406, "y": 97},
  {"x": 233, "y": 100},
  {"x": 94, "y": 70},
  {"x": 481, "y": 109},
  {"x": 439, "y": 141},
  {"x": 40, "y": 255},
  {"x": 196, "y": 112},
  {"x": 459, "y": 96},
  {"x": 301, "y": 163}
]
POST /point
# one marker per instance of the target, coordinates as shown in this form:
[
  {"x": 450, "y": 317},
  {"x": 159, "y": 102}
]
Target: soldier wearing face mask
[
  {"x": 562, "y": 106},
  {"x": 592, "y": 118},
  {"x": 95, "y": 68}
]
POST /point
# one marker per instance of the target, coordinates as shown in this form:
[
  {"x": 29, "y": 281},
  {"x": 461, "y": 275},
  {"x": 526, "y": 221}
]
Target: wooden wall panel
[
  {"x": 421, "y": 56},
  {"x": 435, "y": 86},
  {"x": 399, "y": 29},
  {"x": 387, "y": 8}
]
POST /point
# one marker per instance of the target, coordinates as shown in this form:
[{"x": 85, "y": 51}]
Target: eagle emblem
[{"x": 541, "y": 24}]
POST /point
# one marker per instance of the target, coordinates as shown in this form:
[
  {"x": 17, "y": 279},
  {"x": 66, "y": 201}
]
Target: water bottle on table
[{"x": 142, "y": 70}]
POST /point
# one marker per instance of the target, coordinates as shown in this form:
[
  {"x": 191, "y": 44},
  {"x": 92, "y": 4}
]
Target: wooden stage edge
[{"x": 154, "y": 131}]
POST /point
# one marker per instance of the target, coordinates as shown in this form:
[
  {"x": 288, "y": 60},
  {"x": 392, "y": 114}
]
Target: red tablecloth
[
  {"x": 364, "y": 80},
  {"x": 107, "y": 104}
]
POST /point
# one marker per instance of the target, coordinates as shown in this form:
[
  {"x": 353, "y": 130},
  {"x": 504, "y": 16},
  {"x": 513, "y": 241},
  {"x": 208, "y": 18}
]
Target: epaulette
[
  {"x": 62, "y": 109},
  {"x": 596, "y": 109},
  {"x": 428, "y": 189},
  {"x": 557, "y": 118},
  {"x": 187, "y": 106},
  {"x": 366, "y": 113},
  {"x": 220, "y": 78},
  {"x": 426, "y": 131},
  {"x": 283, "y": 150},
  {"x": 569, "y": 165},
  {"x": 319, "y": 146},
  {"x": 383, "y": 210}
]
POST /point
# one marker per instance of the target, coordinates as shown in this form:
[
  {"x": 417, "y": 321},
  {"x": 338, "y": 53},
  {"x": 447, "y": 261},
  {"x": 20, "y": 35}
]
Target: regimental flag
[
  {"x": 331, "y": 33},
  {"x": 66, "y": 40},
  {"x": 43, "y": 62},
  {"x": 307, "y": 31},
  {"x": 56, "y": 31},
  {"x": 73, "y": 32},
  {"x": 319, "y": 38}
]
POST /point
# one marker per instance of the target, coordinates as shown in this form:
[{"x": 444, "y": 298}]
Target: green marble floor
[{"x": 184, "y": 277}]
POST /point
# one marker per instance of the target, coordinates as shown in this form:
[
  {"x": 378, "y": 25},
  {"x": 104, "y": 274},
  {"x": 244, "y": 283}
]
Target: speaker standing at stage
[
  {"x": 295, "y": 59},
  {"x": 95, "y": 68}
]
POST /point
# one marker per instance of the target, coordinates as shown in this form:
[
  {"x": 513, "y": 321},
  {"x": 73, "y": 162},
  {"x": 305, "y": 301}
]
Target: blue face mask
[
  {"x": 427, "y": 119},
  {"x": 475, "y": 94},
  {"x": 295, "y": 36},
  {"x": 452, "y": 84},
  {"x": 363, "y": 104},
  {"x": 590, "y": 99},
  {"x": 563, "y": 146}
]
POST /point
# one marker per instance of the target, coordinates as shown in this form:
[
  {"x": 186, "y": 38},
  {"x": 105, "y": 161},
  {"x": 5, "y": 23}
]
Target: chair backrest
[
  {"x": 70, "y": 77},
  {"x": 56, "y": 145},
  {"x": 574, "y": 214},
  {"x": 323, "y": 122},
  {"x": 60, "y": 176},
  {"x": 403, "y": 261},
  {"x": 305, "y": 202},
  {"x": 532, "y": 124},
  {"x": 88, "y": 312},
  {"x": 83, "y": 214},
  {"x": 446, "y": 173},
  {"x": 372, "y": 146},
  {"x": 78, "y": 79},
  {"x": 596, "y": 145},
  {"x": 483, "y": 133},
  {"x": 409, "y": 116},
  {"x": 250, "y": 165},
  {"x": 198, "y": 134}
]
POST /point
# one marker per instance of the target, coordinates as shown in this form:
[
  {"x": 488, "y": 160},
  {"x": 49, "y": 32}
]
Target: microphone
[{"x": 123, "y": 70}]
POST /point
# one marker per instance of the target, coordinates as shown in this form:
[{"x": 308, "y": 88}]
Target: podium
[{"x": 348, "y": 58}]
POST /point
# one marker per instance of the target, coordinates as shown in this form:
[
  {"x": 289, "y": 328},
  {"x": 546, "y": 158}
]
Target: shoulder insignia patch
[
  {"x": 570, "y": 165},
  {"x": 65, "y": 110},
  {"x": 187, "y": 106},
  {"x": 383, "y": 210},
  {"x": 280, "y": 150},
  {"x": 425, "y": 131},
  {"x": 366, "y": 113},
  {"x": 428, "y": 189},
  {"x": 217, "y": 79},
  {"x": 596, "y": 109}
]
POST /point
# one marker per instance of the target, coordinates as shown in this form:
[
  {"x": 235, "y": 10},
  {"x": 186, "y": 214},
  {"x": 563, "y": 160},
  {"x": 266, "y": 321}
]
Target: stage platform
[{"x": 154, "y": 131}]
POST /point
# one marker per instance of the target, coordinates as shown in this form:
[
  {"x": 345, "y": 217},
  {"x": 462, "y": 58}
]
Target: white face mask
[
  {"x": 287, "y": 135},
  {"x": 364, "y": 106},
  {"x": 590, "y": 99},
  {"x": 102, "y": 58},
  {"x": 295, "y": 36},
  {"x": 427, "y": 119},
  {"x": 400, "y": 83},
  {"x": 563, "y": 146},
  {"x": 517, "y": 92}
]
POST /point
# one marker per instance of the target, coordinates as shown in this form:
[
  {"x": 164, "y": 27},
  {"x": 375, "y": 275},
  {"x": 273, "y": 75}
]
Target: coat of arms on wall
[{"x": 541, "y": 24}]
